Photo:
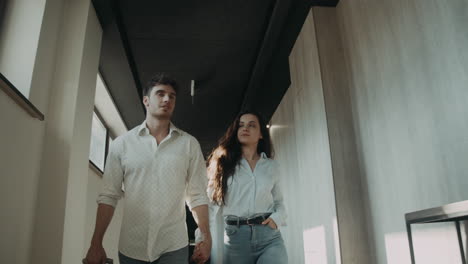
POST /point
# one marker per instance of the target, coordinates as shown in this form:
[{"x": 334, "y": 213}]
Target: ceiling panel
[{"x": 234, "y": 50}]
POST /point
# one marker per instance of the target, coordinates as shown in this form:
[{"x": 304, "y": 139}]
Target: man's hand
[
  {"x": 96, "y": 255},
  {"x": 270, "y": 222},
  {"x": 202, "y": 251}
]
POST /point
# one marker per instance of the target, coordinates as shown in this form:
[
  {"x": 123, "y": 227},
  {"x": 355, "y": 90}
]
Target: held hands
[
  {"x": 270, "y": 222},
  {"x": 202, "y": 251}
]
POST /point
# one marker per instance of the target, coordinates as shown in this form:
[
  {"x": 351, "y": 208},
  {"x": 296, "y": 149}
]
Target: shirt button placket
[
  {"x": 152, "y": 216},
  {"x": 255, "y": 191}
]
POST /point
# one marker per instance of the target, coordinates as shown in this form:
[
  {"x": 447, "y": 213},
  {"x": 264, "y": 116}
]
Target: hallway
[{"x": 367, "y": 103}]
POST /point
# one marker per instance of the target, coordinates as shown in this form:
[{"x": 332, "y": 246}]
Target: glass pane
[
  {"x": 98, "y": 142},
  {"x": 108, "y": 147}
]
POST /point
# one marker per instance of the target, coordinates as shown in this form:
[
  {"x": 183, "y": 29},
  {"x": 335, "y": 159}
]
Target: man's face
[{"x": 160, "y": 102}]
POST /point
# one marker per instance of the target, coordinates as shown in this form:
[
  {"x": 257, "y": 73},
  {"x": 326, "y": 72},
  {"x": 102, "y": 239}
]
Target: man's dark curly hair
[{"x": 158, "y": 79}]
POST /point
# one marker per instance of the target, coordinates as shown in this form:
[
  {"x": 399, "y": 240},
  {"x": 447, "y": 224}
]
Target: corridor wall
[
  {"x": 379, "y": 97},
  {"x": 407, "y": 66},
  {"x": 44, "y": 164},
  {"x": 299, "y": 132}
]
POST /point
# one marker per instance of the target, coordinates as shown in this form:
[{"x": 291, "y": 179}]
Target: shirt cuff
[
  {"x": 197, "y": 202},
  {"x": 107, "y": 200}
]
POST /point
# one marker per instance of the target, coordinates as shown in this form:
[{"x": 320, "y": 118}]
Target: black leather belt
[{"x": 248, "y": 221}]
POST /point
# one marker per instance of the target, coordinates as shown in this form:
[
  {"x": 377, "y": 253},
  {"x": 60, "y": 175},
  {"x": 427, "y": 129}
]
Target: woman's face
[{"x": 249, "y": 130}]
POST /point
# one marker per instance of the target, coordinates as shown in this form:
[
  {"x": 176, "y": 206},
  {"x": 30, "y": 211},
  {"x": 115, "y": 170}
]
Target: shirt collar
[
  {"x": 263, "y": 155},
  {"x": 143, "y": 130}
]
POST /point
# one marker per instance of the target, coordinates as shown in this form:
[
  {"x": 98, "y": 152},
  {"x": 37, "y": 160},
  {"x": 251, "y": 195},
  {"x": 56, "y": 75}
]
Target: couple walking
[{"x": 157, "y": 168}]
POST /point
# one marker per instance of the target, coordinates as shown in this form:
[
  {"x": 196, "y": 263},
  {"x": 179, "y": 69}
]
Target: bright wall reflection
[
  {"x": 433, "y": 245},
  {"x": 315, "y": 245},
  {"x": 336, "y": 239}
]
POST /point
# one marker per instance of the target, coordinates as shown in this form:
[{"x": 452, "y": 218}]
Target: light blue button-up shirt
[
  {"x": 249, "y": 193},
  {"x": 253, "y": 192}
]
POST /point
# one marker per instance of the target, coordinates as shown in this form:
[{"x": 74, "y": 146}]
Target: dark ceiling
[{"x": 236, "y": 51}]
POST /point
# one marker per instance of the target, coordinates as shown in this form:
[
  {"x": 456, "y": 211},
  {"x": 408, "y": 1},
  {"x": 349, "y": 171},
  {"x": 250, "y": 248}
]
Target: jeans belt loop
[{"x": 238, "y": 222}]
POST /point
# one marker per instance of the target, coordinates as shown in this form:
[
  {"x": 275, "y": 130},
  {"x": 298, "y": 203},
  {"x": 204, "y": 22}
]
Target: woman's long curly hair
[{"x": 223, "y": 159}]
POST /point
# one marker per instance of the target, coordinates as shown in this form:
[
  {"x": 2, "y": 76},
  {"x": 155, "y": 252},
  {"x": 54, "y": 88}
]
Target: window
[
  {"x": 21, "y": 24},
  {"x": 99, "y": 142},
  {"x": 107, "y": 124}
]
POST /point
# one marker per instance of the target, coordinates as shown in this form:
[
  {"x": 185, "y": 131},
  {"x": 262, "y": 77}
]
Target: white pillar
[{"x": 61, "y": 204}]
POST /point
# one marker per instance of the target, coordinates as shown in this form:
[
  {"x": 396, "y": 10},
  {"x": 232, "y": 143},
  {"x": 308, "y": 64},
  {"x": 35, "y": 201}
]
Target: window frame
[
  {"x": 109, "y": 135},
  {"x": 11, "y": 91}
]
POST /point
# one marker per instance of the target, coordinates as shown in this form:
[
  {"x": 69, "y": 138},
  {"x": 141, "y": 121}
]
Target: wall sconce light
[{"x": 192, "y": 90}]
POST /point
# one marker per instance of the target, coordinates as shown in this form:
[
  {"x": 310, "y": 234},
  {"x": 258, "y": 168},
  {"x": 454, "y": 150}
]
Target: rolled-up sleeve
[
  {"x": 279, "y": 216},
  {"x": 113, "y": 177},
  {"x": 196, "y": 179}
]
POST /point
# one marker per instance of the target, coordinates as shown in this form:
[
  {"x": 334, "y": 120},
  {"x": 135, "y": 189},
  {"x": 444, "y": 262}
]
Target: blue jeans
[
  {"x": 179, "y": 256},
  {"x": 256, "y": 244}
]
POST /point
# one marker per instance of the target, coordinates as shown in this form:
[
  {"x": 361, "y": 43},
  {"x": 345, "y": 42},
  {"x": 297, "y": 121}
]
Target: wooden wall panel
[
  {"x": 350, "y": 193},
  {"x": 408, "y": 74},
  {"x": 300, "y": 135}
]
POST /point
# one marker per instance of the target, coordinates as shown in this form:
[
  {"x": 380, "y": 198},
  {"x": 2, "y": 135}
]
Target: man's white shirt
[{"x": 158, "y": 180}]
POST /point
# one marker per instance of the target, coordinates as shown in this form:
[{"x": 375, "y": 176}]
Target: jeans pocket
[
  {"x": 271, "y": 229},
  {"x": 230, "y": 230}
]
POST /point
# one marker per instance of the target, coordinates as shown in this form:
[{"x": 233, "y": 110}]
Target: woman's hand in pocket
[{"x": 271, "y": 223}]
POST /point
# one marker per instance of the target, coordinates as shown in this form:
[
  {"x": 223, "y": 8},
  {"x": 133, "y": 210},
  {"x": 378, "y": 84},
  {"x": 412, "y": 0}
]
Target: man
[{"x": 156, "y": 167}]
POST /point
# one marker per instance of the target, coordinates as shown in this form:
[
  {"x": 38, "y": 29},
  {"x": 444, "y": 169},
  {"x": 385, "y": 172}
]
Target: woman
[{"x": 244, "y": 190}]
